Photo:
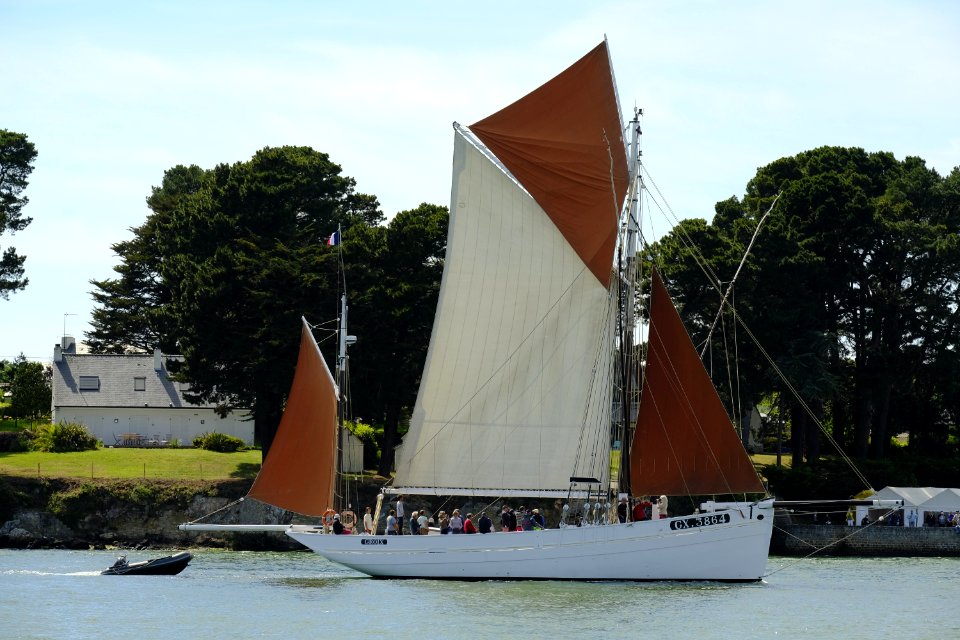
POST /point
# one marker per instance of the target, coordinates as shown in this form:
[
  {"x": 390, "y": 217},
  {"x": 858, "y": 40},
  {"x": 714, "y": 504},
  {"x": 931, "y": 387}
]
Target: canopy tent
[{"x": 917, "y": 502}]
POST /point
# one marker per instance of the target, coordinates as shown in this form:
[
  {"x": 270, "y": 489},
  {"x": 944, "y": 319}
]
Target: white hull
[{"x": 727, "y": 545}]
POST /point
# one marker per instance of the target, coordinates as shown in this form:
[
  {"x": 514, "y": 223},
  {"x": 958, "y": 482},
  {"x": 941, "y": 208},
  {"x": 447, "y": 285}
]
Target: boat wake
[{"x": 30, "y": 572}]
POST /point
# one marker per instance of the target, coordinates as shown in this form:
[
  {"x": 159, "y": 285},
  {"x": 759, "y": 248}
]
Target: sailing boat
[{"x": 518, "y": 394}]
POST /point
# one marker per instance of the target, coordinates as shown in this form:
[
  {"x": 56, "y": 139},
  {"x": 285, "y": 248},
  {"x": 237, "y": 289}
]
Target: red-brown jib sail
[
  {"x": 685, "y": 443},
  {"x": 299, "y": 472}
]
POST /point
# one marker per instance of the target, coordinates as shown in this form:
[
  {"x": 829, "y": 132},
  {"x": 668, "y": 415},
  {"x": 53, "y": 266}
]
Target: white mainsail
[{"x": 519, "y": 367}]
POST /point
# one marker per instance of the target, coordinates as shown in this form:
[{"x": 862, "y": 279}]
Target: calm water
[{"x": 59, "y": 594}]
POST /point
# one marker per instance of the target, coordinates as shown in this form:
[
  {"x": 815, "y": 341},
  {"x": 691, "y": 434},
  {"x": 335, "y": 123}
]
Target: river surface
[{"x": 222, "y": 594}]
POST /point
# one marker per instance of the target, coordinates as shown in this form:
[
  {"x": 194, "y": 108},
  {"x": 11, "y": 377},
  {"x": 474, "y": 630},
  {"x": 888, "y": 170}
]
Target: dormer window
[
  {"x": 89, "y": 383},
  {"x": 139, "y": 384}
]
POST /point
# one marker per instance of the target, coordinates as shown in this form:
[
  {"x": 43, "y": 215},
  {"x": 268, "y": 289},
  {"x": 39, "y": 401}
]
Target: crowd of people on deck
[
  {"x": 524, "y": 519},
  {"x": 652, "y": 508},
  {"x": 456, "y": 522}
]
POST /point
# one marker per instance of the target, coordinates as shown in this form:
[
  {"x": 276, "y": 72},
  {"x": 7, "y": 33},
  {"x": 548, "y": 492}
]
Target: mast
[
  {"x": 628, "y": 289},
  {"x": 342, "y": 375}
]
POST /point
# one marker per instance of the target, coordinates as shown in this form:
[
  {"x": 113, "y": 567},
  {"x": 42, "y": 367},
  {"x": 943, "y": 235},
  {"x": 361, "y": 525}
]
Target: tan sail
[
  {"x": 516, "y": 390},
  {"x": 563, "y": 142},
  {"x": 684, "y": 443},
  {"x": 519, "y": 364},
  {"x": 298, "y": 473}
]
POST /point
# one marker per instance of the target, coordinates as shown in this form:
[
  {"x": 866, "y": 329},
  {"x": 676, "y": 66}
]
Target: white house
[{"x": 130, "y": 398}]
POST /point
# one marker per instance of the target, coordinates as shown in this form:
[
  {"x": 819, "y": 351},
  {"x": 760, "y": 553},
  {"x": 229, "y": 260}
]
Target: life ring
[
  {"x": 348, "y": 519},
  {"x": 328, "y": 517}
]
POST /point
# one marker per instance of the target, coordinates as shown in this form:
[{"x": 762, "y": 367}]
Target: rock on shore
[{"x": 80, "y": 514}]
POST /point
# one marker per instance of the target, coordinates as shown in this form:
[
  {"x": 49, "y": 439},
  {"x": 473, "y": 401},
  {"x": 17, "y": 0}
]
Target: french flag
[{"x": 334, "y": 239}]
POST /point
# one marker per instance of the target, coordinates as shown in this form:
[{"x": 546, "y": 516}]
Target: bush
[
  {"x": 13, "y": 442},
  {"x": 61, "y": 437},
  {"x": 219, "y": 442},
  {"x": 368, "y": 435},
  {"x": 142, "y": 494},
  {"x": 74, "y": 505}
]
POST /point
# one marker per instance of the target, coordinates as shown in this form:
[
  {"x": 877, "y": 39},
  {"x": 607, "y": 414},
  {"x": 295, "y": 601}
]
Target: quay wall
[{"x": 878, "y": 540}]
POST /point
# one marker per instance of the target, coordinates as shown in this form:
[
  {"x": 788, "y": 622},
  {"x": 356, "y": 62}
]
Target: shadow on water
[{"x": 301, "y": 582}]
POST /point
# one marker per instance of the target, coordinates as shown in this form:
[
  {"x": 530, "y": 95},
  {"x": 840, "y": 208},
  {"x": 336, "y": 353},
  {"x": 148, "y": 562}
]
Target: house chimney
[
  {"x": 157, "y": 360},
  {"x": 69, "y": 344},
  {"x": 57, "y": 353}
]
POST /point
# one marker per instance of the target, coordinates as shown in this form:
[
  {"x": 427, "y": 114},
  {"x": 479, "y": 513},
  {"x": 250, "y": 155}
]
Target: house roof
[{"x": 116, "y": 384}]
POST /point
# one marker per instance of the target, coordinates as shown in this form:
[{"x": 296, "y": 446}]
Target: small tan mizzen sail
[
  {"x": 298, "y": 473},
  {"x": 684, "y": 443},
  {"x": 563, "y": 142}
]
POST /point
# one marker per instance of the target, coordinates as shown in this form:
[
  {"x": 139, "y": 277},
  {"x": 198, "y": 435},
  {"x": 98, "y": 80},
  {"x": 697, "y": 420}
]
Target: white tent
[
  {"x": 946, "y": 501},
  {"x": 917, "y": 502}
]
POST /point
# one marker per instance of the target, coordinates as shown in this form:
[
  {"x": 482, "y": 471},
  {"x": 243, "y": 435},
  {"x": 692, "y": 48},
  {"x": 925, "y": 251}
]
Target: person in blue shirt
[{"x": 392, "y": 523}]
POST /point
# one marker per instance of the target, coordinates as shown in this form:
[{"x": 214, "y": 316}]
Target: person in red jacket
[
  {"x": 641, "y": 510},
  {"x": 468, "y": 524}
]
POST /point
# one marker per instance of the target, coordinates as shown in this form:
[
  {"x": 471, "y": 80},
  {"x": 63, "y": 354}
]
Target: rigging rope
[
  {"x": 743, "y": 260},
  {"x": 856, "y": 531},
  {"x": 223, "y": 508},
  {"x": 714, "y": 281},
  {"x": 803, "y": 404}
]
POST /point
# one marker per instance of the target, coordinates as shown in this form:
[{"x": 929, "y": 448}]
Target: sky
[{"x": 115, "y": 93}]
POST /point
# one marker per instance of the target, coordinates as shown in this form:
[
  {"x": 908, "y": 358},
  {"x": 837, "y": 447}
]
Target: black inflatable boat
[{"x": 166, "y": 566}]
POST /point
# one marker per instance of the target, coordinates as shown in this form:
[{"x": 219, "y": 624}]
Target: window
[
  {"x": 89, "y": 383},
  {"x": 139, "y": 384}
]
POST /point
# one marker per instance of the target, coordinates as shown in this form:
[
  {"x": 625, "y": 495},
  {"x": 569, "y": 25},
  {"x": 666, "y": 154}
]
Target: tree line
[
  {"x": 29, "y": 385},
  {"x": 17, "y": 155},
  {"x": 230, "y": 258},
  {"x": 851, "y": 290}
]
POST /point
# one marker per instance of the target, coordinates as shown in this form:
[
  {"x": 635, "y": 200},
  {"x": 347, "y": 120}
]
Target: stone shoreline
[{"x": 130, "y": 514}]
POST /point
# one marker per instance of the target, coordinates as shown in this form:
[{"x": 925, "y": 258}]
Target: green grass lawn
[
  {"x": 771, "y": 458},
  {"x": 9, "y": 424},
  {"x": 171, "y": 464}
]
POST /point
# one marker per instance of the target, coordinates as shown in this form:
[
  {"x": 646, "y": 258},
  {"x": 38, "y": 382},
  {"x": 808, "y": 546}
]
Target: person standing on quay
[{"x": 399, "y": 515}]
